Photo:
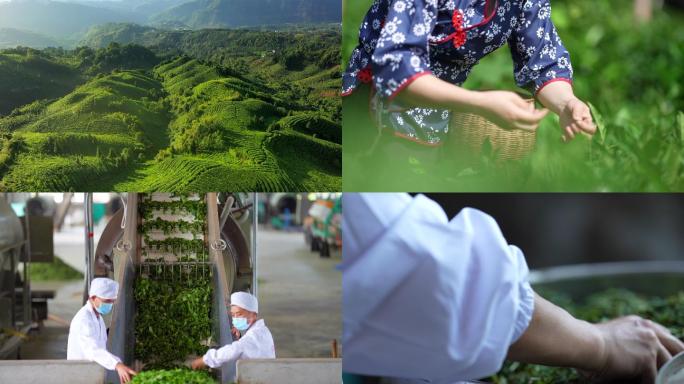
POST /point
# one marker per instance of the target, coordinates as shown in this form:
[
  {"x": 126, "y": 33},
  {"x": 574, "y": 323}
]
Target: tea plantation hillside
[
  {"x": 302, "y": 64},
  {"x": 129, "y": 118},
  {"x": 86, "y": 138},
  {"x": 224, "y": 135},
  {"x": 27, "y": 75}
]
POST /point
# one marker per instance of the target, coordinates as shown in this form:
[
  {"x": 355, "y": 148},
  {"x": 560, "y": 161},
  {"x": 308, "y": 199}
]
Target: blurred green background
[{"x": 631, "y": 73}]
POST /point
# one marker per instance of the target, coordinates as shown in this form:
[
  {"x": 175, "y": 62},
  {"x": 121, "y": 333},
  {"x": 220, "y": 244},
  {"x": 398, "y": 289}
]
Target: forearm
[
  {"x": 432, "y": 92},
  {"x": 555, "y": 96},
  {"x": 556, "y": 338},
  {"x": 214, "y": 358}
]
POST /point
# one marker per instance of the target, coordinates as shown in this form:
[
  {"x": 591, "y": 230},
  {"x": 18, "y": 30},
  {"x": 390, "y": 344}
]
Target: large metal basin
[
  {"x": 580, "y": 280},
  {"x": 648, "y": 278}
]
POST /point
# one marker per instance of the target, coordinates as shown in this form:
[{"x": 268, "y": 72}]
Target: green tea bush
[
  {"x": 79, "y": 143},
  {"x": 28, "y": 75},
  {"x": 32, "y": 172},
  {"x": 8, "y": 152},
  {"x": 313, "y": 124},
  {"x": 294, "y": 146}
]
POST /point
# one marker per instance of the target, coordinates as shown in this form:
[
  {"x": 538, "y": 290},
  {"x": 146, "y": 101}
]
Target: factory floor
[
  {"x": 300, "y": 297},
  {"x": 50, "y": 341}
]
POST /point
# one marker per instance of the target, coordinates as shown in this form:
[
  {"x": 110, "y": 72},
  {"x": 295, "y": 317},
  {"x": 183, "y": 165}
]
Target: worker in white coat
[
  {"x": 88, "y": 333},
  {"x": 253, "y": 339},
  {"x": 434, "y": 300}
]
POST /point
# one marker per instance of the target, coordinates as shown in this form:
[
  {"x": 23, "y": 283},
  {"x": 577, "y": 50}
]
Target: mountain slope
[
  {"x": 227, "y": 133},
  {"x": 87, "y": 139},
  {"x": 241, "y": 13},
  {"x": 59, "y": 19},
  {"x": 10, "y": 38},
  {"x": 301, "y": 64},
  {"x": 226, "y": 109},
  {"x": 27, "y": 75},
  {"x": 102, "y": 35}
]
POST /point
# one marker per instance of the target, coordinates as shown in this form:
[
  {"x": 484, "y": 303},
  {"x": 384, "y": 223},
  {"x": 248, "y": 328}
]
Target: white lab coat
[
  {"x": 256, "y": 343},
  {"x": 427, "y": 298},
  {"x": 88, "y": 339}
]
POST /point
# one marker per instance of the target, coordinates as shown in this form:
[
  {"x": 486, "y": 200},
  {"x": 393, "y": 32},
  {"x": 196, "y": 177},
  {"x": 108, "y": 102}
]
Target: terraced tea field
[{"x": 183, "y": 125}]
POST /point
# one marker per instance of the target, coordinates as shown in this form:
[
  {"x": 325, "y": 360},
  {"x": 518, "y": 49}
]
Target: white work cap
[
  {"x": 104, "y": 288},
  {"x": 245, "y": 300}
]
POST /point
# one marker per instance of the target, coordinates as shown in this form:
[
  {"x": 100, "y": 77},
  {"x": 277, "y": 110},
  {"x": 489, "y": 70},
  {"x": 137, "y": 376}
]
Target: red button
[{"x": 365, "y": 75}]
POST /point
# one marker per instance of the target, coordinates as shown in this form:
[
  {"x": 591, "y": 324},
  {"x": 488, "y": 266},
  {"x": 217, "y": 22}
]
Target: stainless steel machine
[
  {"x": 22, "y": 241},
  {"x": 123, "y": 253}
]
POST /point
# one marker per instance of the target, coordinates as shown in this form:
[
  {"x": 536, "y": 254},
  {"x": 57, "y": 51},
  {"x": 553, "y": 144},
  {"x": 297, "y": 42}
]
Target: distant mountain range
[
  {"x": 65, "y": 23},
  {"x": 239, "y": 13},
  {"x": 10, "y": 38},
  {"x": 59, "y": 20}
]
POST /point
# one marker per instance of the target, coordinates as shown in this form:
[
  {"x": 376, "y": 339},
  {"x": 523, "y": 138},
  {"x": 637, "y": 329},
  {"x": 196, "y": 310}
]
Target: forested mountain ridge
[
  {"x": 176, "y": 115},
  {"x": 65, "y": 23},
  {"x": 239, "y": 13},
  {"x": 11, "y": 37},
  {"x": 60, "y": 20}
]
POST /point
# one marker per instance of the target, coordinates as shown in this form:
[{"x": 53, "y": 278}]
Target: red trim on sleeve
[
  {"x": 349, "y": 92},
  {"x": 407, "y": 83},
  {"x": 552, "y": 81}
]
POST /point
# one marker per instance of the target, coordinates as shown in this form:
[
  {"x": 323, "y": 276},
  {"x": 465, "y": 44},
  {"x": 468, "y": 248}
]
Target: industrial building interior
[{"x": 281, "y": 247}]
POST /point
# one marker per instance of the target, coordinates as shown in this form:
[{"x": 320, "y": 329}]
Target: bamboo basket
[{"x": 470, "y": 131}]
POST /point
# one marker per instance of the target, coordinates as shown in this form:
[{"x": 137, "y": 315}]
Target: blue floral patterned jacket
[{"x": 401, "y": 40}]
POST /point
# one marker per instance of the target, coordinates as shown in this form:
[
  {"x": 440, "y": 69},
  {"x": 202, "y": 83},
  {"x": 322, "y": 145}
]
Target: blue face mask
[
  {"x": 105, "y": 308},
  {"x": 240, "y": 323}
]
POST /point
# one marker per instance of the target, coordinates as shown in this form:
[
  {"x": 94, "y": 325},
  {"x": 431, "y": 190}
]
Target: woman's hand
[
  {"x": 505, "y": 109},
  {"x": 509, "y": 111},
  {"x": 575, "y": 118}
]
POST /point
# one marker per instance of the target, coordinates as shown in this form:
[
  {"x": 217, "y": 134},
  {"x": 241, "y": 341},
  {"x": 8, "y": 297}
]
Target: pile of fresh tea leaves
[
  {"x": 602, "y": 306},
  {"x": 173, "y": 376},
  {"x": 172, "y": 320}
]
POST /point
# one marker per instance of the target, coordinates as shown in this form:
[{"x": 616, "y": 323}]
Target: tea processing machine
[
  {"x": 128, "y": 248},
  {"x": 23, "y": 240}
]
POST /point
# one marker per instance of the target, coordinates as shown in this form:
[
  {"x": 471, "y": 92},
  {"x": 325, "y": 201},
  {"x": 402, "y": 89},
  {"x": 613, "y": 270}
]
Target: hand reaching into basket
[
  {"x": 509, "y": 111},
  {"x": 503, "y": 108}
]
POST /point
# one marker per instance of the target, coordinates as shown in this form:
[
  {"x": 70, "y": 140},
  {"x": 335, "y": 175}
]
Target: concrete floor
[
  {"x": 50, "y": 341},
  {"x": 300, "y": 295},
  {"x": 300, "y": 299}
]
